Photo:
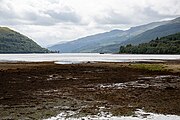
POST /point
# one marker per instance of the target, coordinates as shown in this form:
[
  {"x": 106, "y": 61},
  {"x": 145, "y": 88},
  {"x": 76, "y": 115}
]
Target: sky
[{"x": 54, "y": 21}]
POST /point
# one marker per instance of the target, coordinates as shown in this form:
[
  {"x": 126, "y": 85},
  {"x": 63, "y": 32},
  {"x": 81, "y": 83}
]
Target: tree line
[{"x": 165, "y": 45}]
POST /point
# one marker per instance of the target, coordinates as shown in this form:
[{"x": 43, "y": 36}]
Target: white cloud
[{"x": 51, "y": 21}]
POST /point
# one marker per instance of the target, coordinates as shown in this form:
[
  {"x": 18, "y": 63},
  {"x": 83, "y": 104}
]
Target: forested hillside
[
  {"x": 14, "y": 42},
  {"x": 165, "y": 45}
]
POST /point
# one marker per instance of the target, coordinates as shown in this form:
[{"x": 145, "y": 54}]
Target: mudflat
[{"x": 44, "y": 89}]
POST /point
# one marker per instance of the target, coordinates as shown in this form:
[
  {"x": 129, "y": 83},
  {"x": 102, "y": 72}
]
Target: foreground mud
[{"x": 42, "y": 90}]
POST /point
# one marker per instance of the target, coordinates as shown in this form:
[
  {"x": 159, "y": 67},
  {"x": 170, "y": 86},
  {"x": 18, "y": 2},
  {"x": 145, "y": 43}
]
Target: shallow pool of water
[{"x": 139, "y": 115}]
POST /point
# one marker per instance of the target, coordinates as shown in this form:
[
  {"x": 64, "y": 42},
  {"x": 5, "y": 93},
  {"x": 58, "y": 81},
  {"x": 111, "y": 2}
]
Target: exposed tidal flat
[{"x": 117, "y": 91}]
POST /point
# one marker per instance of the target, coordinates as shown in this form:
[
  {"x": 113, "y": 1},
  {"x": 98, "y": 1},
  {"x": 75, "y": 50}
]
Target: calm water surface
[{"x": 84, "y": 57}]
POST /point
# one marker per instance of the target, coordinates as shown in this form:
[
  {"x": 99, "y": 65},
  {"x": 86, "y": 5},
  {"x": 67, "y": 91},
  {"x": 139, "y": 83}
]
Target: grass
[{"x": 149, "y": 67}]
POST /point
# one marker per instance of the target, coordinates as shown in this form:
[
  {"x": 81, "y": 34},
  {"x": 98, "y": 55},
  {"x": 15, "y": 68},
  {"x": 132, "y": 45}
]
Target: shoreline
[
  {"x": 40, "y": 90},
  {"x": 8, "y": 65}
]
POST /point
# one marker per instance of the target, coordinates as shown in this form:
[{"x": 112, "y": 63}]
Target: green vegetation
[
  {"x": 14, "y": 42},
  {"x": 149, "y": 67},
  {"x": 165, "y": 45}
]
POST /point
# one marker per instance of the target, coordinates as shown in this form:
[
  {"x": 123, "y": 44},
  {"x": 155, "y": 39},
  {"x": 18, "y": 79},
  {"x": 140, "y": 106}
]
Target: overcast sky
[{"x": 51, "y": 21}]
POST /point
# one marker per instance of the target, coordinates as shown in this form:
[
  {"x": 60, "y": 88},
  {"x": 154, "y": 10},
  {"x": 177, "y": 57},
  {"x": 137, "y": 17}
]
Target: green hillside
[
  {"x": 170, "y": 27},
  {"x": 165, "y": 45},
  {"x": 14, "y": 42}
]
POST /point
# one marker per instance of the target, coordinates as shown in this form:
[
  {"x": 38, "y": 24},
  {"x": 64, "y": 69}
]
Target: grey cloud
[
  {"x": 8, "y": 16},
  {"x": 29, "y": 19},
  {"x": 113, "y": 17},
  {"x": 6, "y": 11},
  {"x": 138, "y": 16},
  {"x": 151, "y": 14},
  {"x": 65, "y": 16}
]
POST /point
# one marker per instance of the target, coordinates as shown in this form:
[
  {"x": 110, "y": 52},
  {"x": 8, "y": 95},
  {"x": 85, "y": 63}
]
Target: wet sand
[{"x": 42, "y": 90}]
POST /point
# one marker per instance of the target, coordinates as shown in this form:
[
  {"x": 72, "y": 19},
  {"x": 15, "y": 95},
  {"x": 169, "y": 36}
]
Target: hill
[
  {"x": 86, "y": 42},
  {"x": 160, "y": 31},
  {"x": 14, "y": 42},
  {"x": 171, "y": 27},
  {"x": 165, "y": 45},
  {"x": 95, "y": 42}
]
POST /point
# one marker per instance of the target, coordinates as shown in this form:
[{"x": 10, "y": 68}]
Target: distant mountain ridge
[
  {"x": 14, "y": 42},
  {"x": 170, "y": 27},
  {"x": 109, "y": 42},
  {"x": 76, "y": 45},
  {"x": 160, "y": 31},
  {"x": 91, "y": 43}
]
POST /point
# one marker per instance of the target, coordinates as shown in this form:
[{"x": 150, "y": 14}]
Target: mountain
[
  {"x": 109, "y": 42},
  {"x": 170, "y": 27},
  {"x": 14, "y": 42},
  {"x": 160, "y": 31},
  {"x": 165, "y": 45},
  {"x": 95, "y": 42},
  {"x": 86, "y": 42}
]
